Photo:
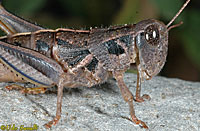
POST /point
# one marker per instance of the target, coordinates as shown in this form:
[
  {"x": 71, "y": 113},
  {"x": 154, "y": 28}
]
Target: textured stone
[{"x": 174, "y": 105}]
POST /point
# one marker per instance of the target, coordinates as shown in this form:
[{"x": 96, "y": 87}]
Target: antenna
[{"x": 178, "y": 13}]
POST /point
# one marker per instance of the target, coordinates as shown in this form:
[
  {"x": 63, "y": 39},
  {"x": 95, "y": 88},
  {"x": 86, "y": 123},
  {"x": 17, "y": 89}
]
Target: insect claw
[
  {"x": 139, "y": 122},
  {"x": 143, "y": 98},
  {"x": 53, "y": 122}
]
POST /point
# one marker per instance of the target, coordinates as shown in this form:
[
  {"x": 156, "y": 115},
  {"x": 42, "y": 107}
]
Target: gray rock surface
[{"x": 174, "y": 106}]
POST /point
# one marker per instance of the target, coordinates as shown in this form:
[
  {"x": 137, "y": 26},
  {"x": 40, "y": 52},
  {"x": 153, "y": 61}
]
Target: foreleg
[{"x": 128, "y": 97}]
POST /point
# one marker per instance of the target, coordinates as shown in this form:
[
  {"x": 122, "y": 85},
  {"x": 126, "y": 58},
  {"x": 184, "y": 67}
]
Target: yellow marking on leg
[{"x": 24, "y": 90}]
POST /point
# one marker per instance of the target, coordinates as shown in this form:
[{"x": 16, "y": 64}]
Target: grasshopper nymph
[{"x": 74, "y": 58}]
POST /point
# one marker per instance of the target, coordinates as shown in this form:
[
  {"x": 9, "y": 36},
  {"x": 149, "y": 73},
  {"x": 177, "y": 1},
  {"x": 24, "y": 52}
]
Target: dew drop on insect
[
  {"x": 154, "y": 34},
  {"x": 147, "y": 37}
]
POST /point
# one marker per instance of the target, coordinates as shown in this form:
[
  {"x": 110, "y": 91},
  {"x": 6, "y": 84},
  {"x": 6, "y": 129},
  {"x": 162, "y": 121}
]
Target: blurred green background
[{"x": 184, "y": 42}]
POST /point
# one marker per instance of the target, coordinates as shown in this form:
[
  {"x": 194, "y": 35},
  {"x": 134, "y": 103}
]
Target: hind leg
[
  {"x": 6, "y": 75},
  {"x": 24, "y": 90},
  {"x": 11, "y": 24}
]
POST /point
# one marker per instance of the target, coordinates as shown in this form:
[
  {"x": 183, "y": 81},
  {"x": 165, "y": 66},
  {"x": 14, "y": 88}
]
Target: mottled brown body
[{"x": 74, "y": 58}]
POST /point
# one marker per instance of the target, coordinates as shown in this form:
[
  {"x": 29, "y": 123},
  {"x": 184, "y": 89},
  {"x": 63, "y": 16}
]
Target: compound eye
[{"x": 152, "y": 35}]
